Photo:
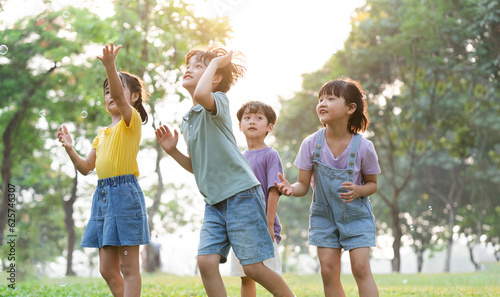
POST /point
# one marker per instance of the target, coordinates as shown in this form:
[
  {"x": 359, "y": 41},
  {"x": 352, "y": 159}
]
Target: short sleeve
[
  {"x": 273, "y": 169},
  {"x": 135, "y": 122},
  {"x": 304, "y": 159},
  {"x": 95, "y": 143},
  {"x": 369, "y": 163}
]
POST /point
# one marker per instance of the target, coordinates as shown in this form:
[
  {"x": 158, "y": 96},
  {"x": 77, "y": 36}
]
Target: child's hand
[
  {"x": 284, "y": 187},
  {"x": 167, "y": 140},
  {"x": 223, "y": 60},
  {"x": 353, "y": 192},
  {"x": 65, "y": 138},
  {"x": 109, "y": 55}
]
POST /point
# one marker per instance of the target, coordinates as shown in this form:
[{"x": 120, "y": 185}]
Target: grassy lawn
[{"x": 481, "y": 284}]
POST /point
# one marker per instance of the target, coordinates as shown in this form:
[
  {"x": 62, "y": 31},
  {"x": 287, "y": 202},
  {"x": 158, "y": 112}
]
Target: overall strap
[
  {"x": 319, "y": 144},
  {"x": 354, "y": 151}
]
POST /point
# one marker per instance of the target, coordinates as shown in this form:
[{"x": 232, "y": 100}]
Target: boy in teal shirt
[{"x": 234, "y": 210}]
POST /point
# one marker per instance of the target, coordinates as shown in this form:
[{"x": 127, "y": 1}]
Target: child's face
[
  {"x": 109, "y": 102},
  {"x": 194, "y": 70},
  {"x": 255, "y": 125},
  {"x": 331, "y": 108}
]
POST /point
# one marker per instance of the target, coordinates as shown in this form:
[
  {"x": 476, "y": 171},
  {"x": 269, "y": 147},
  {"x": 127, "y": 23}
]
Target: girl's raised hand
[
  {"x": 109, "y": 54},
  {"x": 284, "y": 187},
  {"x": 65, "y": 138},
  {"x": 167, "y": 140}
]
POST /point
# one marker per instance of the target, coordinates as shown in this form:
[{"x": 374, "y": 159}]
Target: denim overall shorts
[
  {"x": 118, "y": 215},
  {"x": 333, "y": 223}
]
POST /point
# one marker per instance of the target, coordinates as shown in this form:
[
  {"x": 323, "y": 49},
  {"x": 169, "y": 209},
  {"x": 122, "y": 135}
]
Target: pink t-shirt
[{"x": 366, "y": 159}]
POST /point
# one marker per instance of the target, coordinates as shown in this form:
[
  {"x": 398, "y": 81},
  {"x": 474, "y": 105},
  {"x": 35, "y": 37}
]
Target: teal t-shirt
[{"x": 220, "y": 170}]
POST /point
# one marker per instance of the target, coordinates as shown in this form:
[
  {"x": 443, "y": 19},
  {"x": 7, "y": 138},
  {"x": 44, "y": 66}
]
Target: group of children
[{"x": 241, "y": 191}]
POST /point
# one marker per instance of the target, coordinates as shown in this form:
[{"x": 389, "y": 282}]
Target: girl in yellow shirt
[{"x": 118, "y": 224}]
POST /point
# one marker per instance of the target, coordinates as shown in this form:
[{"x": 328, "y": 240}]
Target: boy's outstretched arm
[
  {"x": 84, "y": 166},
  {"x": 203, "y": 91},
  {"x": 108, "y": 58},
  {"x": 168, "y": 142},
  {"x": 298, "y": 189}
]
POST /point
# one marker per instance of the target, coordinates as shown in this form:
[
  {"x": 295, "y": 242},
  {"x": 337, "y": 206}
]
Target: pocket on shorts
[
  {"x": 358, "y": 220},
  {"x": 319, "y": 217},
  {"x": 127, "y": 201}
]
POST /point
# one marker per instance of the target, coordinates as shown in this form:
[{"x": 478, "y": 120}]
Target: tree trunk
[
  {"x": 7, "y": 164},
  {"x": 449, "y": 246},
  {"x": 150, "y": 264},
  {"x": 397, "y": 233},
  {"x": 420, "y": 260},
  {"x": 70, "y": 225}
]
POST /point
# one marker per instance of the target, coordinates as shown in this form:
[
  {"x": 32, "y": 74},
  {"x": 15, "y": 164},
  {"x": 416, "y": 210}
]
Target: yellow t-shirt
[{"x": 117, "y": 148}]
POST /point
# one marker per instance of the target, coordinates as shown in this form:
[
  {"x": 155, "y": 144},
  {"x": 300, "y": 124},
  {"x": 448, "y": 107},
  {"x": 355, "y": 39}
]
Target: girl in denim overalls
[
  {"x": 343, "y": 168},
  {"x": 118, "y": 223}
]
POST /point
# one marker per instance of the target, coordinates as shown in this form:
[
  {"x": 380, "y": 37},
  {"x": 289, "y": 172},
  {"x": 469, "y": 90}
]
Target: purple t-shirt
[
  {"x": 266, "y": 164},
  {"x": 366, "y": 159}
]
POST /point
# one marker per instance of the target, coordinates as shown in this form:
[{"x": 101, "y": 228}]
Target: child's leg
[
  {"x": 129, "y": 266},
  {"x": 269, "y": 279},
  {"x": 248, "y": 287},
  {"x": 109, "y": 267},
  {"x": 360, "y": 266},
  {"x": 329, "y": 260},
  {"x": 210, "y": 275}
]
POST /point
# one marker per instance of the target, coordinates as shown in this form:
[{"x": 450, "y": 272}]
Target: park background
[{"x": 430, "y": 70}]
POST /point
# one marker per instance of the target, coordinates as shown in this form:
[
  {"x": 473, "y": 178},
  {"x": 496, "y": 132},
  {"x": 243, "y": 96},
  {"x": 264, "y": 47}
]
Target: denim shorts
[
  {"x": 118, "y": 215},
  {"x": 238, "y": 222}
]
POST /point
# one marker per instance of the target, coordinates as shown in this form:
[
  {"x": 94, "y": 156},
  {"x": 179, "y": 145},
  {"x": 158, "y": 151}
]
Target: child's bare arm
[
  {"x": 272, "y": 207},
  {"x": 168, "y": 142},
  {"x": 298, "y": 189},
  {"x": 108, "y": 58},
  {"x": 203, "y": 91},
  {"x": 84, "y": 166}
]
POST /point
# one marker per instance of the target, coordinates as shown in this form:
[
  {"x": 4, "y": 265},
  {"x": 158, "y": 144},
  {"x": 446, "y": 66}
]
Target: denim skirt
[{"x": 118, "y": 215}]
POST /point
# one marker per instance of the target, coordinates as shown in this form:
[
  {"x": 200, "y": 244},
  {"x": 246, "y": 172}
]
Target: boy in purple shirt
[{"x": 256, "y": 120}]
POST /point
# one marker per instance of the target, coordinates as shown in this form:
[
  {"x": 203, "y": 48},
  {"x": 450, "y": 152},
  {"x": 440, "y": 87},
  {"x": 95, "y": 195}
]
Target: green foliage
[{"x": 429, "y": 70}]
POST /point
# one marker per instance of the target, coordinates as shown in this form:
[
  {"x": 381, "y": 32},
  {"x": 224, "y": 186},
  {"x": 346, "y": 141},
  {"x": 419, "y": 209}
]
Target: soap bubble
[
  {"x": 430, "y": 207},
  {"x": 66, "y": 14},
  {"x": 412, "y": 228},
  {"x": 405, "y": 281},
  {"x": 63, "y": 281},
  {"x": 125, "y": 253},
  {"x": 3, "y": 49},
  {"x": 42, "y": 113},
  {"x": 83, "y": 114}
]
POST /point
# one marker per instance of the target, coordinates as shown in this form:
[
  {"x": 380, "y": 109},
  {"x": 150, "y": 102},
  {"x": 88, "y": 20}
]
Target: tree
[{"x": 428, "y": 70}]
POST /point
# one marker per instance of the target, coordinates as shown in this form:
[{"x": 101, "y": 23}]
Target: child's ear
[
  {"x": 270, "y": 128},
  {"x": 217, "y": 79},
  {"x": 352, "y": 108},
  {"x": 239, "y": 126},
  {"x": 135, "y": 96}
]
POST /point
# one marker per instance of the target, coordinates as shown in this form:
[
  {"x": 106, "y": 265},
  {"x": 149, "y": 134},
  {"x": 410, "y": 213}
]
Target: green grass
[{"x": 481, "y": 284}]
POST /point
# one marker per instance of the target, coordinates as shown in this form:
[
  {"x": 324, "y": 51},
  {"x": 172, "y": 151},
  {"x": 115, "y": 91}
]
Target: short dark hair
[
  {"x": 256, "y": 106},
  {"x": 352, "y": 92},
  {"x": 230, "y": 73},
  {"x": 135, "y": 84}
]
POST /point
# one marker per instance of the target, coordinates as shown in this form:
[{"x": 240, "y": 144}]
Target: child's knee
[
  {"x": 107, "y": 272},
  {"x": 253, "y": 270},
  {"x": 361, "y": 270},
  {"x": 207, "y": 263}
]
